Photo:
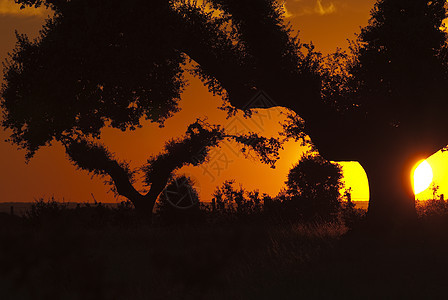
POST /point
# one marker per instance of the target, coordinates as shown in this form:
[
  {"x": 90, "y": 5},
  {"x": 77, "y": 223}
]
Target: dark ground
[{"x": 227, "y": 261}]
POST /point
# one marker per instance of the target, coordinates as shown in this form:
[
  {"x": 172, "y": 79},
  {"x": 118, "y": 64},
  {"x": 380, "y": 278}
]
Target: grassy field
[
  {"x": 60, "y": 259},
  {"x": 20, "y": 208}
]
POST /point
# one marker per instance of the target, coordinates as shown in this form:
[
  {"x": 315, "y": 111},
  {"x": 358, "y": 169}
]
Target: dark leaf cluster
[
  {"x": 314, "y": 187},
  {"x": 79, "y": 75}
]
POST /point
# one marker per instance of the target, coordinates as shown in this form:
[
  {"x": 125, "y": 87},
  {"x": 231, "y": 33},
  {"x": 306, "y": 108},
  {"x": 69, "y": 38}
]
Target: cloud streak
[
  {"x": 288, "y": 14},
  {"x": 296, "y": 8},
  {"x": 324, "y": 10},
  {"x": 10, "y": 8}
]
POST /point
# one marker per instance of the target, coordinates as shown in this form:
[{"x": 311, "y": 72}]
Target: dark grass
[{"x": 59, "y": 259}]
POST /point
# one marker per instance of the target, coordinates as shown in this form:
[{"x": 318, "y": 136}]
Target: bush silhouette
[
  {"x": 235, "y": 202},
  {"x": 55, "y": 214},
  {"x": 46, "y": 212},
  {"x": 179, "y": 203},
  {"x": 313, "y": 188}
]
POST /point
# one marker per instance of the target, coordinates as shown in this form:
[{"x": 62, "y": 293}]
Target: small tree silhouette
[
  {"x": 313, "y": 187},
  {"x": 179, "y": 202},
  {"x": 191, "y": 149}
]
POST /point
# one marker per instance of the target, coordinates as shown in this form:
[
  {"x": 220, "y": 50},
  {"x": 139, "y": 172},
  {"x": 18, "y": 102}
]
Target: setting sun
[{"x": 423, "y": 176}]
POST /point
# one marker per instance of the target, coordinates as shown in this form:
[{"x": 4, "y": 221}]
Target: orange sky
[{"x": 327, "y": 23}]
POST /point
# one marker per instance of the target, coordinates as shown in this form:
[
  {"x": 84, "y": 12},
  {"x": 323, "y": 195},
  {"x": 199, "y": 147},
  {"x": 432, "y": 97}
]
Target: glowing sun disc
[{"x": 422, "y": 177}]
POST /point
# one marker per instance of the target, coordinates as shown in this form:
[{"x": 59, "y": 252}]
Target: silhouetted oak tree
[
  {"x": 89, "y": 69},
  {"x": 111, "y": 61},
  {"x": 191, "y": 149}
]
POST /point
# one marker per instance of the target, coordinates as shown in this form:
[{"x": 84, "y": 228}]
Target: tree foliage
[
  {"x": 100, "y": 63},
  {"x": 390, "y": 86},
  {"x": 387, "y": 97},
  {"x": 79, "y": 76},
  {"x": 314, "y": 187},
  {"x": 400, "y": 65}
]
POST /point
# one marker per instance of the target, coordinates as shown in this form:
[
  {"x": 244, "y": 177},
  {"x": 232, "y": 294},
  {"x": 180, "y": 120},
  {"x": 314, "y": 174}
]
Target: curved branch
[
  {"x": 221, "y": 59},
  {"x": 96, "y": 159}
]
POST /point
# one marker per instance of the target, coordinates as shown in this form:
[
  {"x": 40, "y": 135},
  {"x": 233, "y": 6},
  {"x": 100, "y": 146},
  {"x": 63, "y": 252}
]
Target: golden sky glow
[{"x": 9, "y": 7}]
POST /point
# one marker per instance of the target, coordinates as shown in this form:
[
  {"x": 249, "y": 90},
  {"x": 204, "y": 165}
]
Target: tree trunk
[
  {"x": 144, "y": 205},
  {"x": 144, "y": 208},
  {"x": 392, "y": 200}
]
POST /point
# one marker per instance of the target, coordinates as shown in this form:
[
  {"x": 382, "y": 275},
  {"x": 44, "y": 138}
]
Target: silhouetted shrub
[
  {"x": 313, "y": 188},
  {"x": 432, "y": 208},
  {"x": 275, "y": 210},
  {"x": 44, "y": 212},
  {"x": 230, "y": 202},
  {"x": 312, "y": 193},
  {"x": 433, "y": 213},
  {"x": 179, "y": 203},
  {"x": 348, "y": 213},
  {"x": 51, "y": 213}
]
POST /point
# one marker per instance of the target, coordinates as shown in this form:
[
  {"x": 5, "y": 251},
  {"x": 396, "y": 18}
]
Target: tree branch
[{"x": 96, "y": 159}]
